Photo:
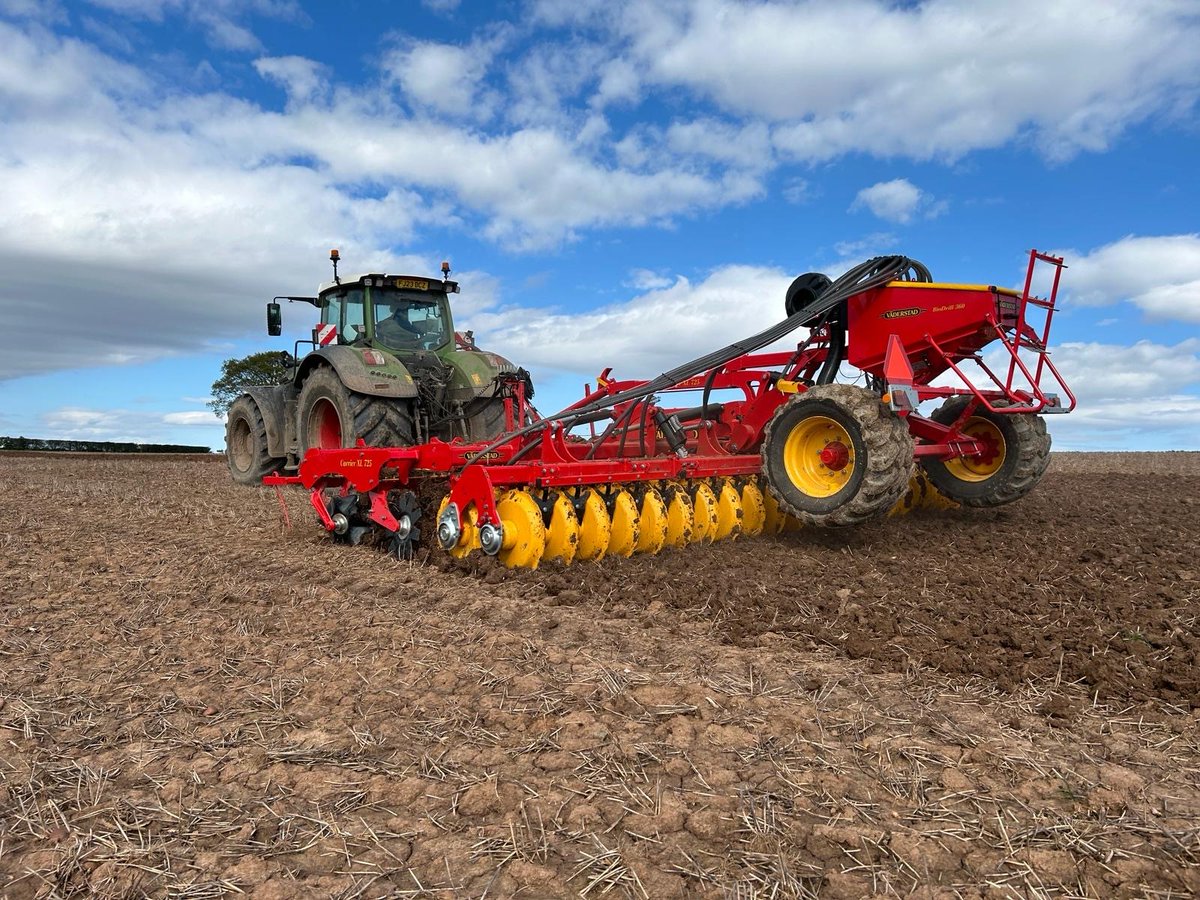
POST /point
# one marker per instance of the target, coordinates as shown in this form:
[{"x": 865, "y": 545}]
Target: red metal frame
[{"x": 904, "y": 334}]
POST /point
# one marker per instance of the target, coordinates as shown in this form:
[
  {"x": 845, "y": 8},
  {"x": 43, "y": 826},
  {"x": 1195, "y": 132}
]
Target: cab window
[
  {"x": 406, "y": 320},
  {"x": 345, "y": 310}
]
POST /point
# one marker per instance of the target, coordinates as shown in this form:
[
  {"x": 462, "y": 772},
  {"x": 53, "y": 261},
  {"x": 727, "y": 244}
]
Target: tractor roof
[{"x": 405, "y": 282}]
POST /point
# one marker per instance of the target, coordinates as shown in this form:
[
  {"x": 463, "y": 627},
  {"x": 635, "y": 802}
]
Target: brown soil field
[{"x": 198, "y": 702}]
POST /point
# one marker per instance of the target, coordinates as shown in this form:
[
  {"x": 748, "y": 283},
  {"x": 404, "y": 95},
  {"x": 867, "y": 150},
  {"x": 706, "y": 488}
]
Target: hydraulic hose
[{"x": 864, "y": 277}]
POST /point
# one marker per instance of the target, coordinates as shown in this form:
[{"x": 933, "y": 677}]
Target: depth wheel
[
  {"x": 1017, "y": 454},
  {"x": 331, "y": 416},
  {"x": 835, "y": 455},
  {"x": 246, "y": 443}
]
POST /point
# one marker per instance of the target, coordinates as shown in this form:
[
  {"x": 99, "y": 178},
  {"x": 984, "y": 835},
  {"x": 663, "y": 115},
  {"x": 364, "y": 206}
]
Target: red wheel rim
[{"x": 325, "y": 425}]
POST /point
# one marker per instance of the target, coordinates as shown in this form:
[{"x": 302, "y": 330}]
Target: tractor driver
[{"x": 396, "y": 330}]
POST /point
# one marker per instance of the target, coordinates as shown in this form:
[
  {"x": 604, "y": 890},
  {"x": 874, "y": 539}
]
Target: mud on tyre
[
  {"x": 330, "y": 415},
  {"x": 246, "y": 443},
  {"x": 836, "y": 455},
  {"x": 1018, "y": 454}
]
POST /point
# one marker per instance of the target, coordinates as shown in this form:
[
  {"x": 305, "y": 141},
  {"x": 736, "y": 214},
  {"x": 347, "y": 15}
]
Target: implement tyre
[
  {"x": 329, "y": 415},
  {"x": 836, "y": 455},
  {"x": 1019, "y": 452},
  {"x": 246, "y": 443}
]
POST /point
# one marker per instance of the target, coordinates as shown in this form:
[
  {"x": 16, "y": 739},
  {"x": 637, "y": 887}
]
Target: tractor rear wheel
[
  {"x": 836, "y": 455},
  {"x": 330, "y": 415},
  {"x": 1015, "y": 461},
  {"x": 485, "y": 418},
  {"x": 246, "y": 443}
]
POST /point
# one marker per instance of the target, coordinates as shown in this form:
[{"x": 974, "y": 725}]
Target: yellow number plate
[{"x": 412, "y": 283}]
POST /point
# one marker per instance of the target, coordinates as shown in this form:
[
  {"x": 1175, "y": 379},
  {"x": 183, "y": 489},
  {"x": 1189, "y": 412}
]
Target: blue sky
[{"x": 615, "y": 183}]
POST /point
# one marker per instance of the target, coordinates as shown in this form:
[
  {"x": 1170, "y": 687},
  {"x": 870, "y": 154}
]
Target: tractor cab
[{"x": 397, "y": 314}]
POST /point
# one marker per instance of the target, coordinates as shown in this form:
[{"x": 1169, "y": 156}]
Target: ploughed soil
[{"x": 196, "y": 701}]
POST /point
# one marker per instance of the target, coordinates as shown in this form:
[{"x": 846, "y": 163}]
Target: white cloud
[
  {"x": 936, "y": 79},
  {"x": 897, "y": 200},
  {"x": 672, "y": 321},
  {"x": 182, "y": 213},
  {"x": 303, "y": 79},
  {"x": 746, "y": 146},
  {"x": 1160, "y": 275},
  {"x": 444, "y": 77},
  {"x": 619, "y": 83},
  {"x": 648, "y": 280},
  {"x": 219, "y": 19},
  {"x": 194, "y": 418},
  {"x": 1129, "y": 397},
  {"x": 125, "y": 425}
]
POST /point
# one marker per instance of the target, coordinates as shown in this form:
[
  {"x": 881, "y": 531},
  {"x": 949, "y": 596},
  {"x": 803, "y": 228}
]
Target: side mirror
[{"x": 274, "y": 320}]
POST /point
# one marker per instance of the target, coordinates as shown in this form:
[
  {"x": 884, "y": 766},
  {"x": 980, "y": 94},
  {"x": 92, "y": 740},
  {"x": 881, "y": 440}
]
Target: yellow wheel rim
[
  {"x": 468, "y": 538},
  {"x": 818, "y": 456},
  {"x": 562, "y": 536},
  {"x": 652, "y": 524},
  {"x": 988, "y": 463},
  {"x": 524, "y": 532},
  {"x": 624, "y": 537},
  {"x": 680, "y": 518},
  {"x": 595, "y": 528},
  {"x": 729, "y": 511},
  {"x": 704, "y": 509}
]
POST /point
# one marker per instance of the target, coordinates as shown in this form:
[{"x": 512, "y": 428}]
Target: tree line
[{"x": 24, "y": 443}]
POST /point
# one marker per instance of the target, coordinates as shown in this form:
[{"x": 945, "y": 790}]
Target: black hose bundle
[{"x": 827, "y": 306}]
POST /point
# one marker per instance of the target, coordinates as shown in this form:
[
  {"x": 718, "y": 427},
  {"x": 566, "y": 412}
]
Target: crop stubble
[{"x": 196, "y": 702}]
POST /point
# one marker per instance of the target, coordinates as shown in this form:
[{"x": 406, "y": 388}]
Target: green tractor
[{"x": 386, "y": 367}]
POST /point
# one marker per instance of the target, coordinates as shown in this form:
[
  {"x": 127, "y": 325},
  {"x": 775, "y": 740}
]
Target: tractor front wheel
[
  {"x": 1014, "y": 461},
  {"x": 331, "y": 416},
  {"x": 246, "y": 443},
  {"x": 836, "y": 455}
]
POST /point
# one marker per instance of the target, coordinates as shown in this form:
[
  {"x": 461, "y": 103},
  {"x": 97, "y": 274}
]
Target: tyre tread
[{"x": 889, "y": 456}]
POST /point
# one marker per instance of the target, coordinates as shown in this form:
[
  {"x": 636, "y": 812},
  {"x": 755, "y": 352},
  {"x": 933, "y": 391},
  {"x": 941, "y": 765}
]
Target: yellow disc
[
  {"x": 729, "y": 511},
  {"x": 680, "y": 517},
  {"x": 774, "y": 518},
  {"x": 624, "y": 537},
  {"x": 652, "y": 523},
  {"x": 562, "y": 536},
  {"x": 754, "y": 513},
  {"x": 979, "y": 468},
  {"x": 468, "y": 538},
  {"x": 931, "y": 497},
  {"x": 911, "y": 499},
  {"x": 803, "y": 461},
  {"x": 704, "y": 508},
  {"x": 595, "y": 528},
  {"x": 524, "y": 533}
]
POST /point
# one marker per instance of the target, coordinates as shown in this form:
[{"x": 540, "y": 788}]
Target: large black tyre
[
  {"x": 330, "y": 415},
  {"x": 486, "y": 418},
  {"x": 870, "y": 456},
  {"x": 246, "y": 443},
  {"x": 1016, "y": 464}
]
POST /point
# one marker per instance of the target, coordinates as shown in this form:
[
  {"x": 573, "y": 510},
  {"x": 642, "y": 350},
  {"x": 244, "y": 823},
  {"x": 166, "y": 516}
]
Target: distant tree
[{"x": 239, "y": 374}]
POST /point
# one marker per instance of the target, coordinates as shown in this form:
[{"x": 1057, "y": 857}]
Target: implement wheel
[
  {"x": 246, "y": 443},
  {"x": 1018, "y": 452},
  {"x": 835, "y": 455},
  {"x": 329, "y": 415}
]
